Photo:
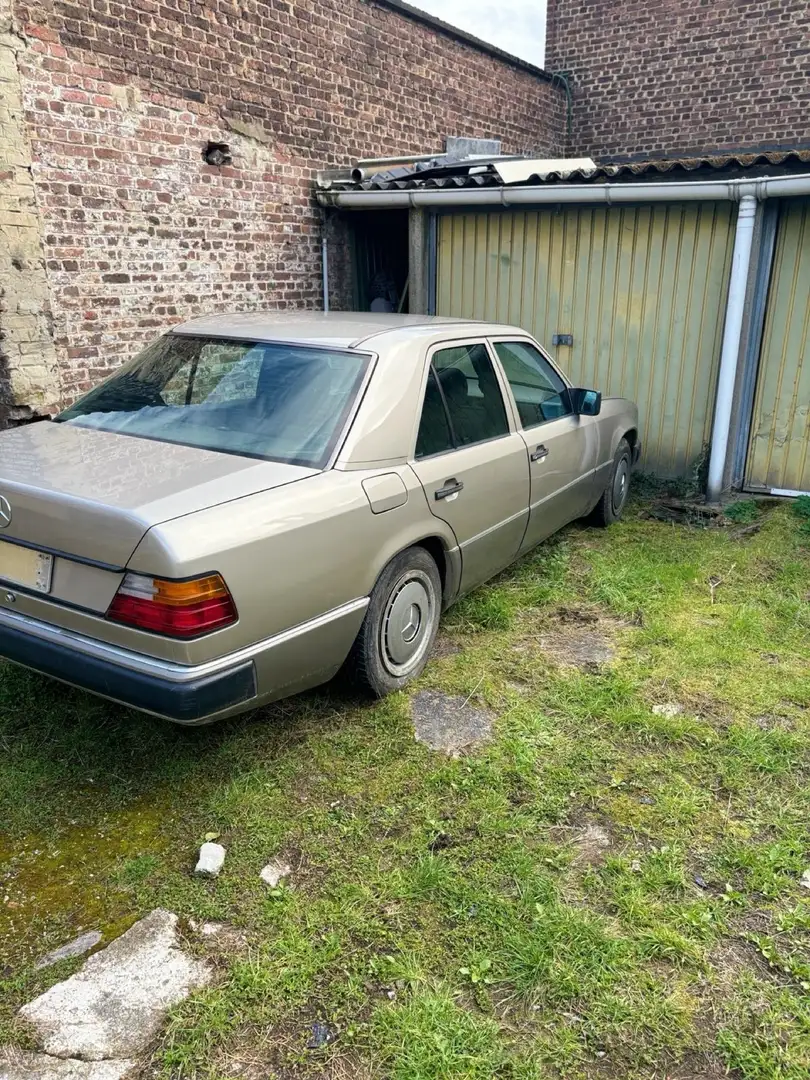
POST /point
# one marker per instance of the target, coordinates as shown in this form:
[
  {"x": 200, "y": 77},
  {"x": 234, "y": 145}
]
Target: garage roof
[{"x": 516, "y": 171}]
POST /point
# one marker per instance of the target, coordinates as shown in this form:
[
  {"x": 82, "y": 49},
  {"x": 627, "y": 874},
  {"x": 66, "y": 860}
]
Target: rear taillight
[{"x": 183, "y": 609}]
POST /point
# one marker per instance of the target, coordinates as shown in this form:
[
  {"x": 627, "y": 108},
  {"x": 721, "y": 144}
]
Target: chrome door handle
[
  {"x": 539, "y": 453},
  {"x": 451, "y": 487}
]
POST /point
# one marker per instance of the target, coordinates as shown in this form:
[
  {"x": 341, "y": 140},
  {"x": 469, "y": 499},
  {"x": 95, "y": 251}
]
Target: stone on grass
[
  {"x": 115, "y": 1005},
  {"x": 82, "y": 944},
  {"x": 275, "y": 870},
  {"x": 212, "y": 856},
  {"x": 449, "y": 723},
  {"x": 23, "y": 1065},
  {"x": 805, "y": 879}
]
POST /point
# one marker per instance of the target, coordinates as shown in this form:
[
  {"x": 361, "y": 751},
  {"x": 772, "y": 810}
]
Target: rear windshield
[{"x": 281, "y": 402}]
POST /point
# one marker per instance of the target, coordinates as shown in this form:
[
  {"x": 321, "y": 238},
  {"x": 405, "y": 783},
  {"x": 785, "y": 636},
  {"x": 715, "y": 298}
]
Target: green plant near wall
[{"x": 801, "y": 508}]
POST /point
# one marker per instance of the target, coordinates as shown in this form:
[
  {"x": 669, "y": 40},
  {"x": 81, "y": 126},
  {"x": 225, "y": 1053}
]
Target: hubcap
[
  {"x": 620, "y": 485},
  {"x": 407, "y": 622}
]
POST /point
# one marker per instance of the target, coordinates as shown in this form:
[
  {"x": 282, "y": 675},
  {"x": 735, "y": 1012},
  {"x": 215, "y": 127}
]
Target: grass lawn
[{"x": 605, "y": 890}]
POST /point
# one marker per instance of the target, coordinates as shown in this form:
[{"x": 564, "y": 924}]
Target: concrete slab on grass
[
  {"x": 450, "y": 724},
  {"x": 23, "y": 1065},
  {"x": 114, "y": 1006}
]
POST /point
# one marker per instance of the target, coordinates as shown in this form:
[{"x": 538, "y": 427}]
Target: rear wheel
[
  {"x": 400, "y": 624},
  {"x": 613, "y": 498}
]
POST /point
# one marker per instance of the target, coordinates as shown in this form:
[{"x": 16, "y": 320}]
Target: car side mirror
[{"x": 585, "y": 402}]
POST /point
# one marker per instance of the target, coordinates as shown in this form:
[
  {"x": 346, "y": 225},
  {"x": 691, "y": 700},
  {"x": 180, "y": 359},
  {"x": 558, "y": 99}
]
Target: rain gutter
[{"x": 535, "y": 194}]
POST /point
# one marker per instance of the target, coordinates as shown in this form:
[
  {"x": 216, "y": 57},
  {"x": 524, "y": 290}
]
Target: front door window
[{"x": 538, "y": 390}]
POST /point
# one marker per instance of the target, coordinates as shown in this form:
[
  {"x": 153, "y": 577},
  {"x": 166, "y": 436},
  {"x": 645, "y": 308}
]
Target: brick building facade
[
  {"x": 112, "y": 224},
  {"x": 671, "y": 77}
]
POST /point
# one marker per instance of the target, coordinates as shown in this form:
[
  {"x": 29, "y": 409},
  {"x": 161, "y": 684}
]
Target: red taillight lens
[{"x": 182, "y": 609}]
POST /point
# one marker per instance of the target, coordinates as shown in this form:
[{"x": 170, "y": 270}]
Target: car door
[
  {"x": 471, "y": 464},
  {"x": 562, "y": 448}
]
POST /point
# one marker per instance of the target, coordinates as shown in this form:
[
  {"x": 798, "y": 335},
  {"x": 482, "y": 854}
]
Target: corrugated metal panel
[
  {"x": 779, "y": 453},
  {"x": 642, "y": 290}
]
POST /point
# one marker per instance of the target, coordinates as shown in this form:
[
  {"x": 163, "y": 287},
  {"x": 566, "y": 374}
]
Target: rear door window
[
  {"x": 463, "y": 401},
  {"x": 540, "y": 394}
]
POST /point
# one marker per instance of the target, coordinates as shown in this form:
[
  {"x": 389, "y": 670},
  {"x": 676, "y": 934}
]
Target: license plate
[{"x": 22, "y": 566}]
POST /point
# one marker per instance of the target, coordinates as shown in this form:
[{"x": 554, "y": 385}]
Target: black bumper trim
[{"x": 185, "y": 702}]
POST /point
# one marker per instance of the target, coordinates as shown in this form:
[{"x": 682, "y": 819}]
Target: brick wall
[
  {"x": 665, "y": 77},
  {"x": 121, "y": 97},
  {"x": 28, "y": 370}
]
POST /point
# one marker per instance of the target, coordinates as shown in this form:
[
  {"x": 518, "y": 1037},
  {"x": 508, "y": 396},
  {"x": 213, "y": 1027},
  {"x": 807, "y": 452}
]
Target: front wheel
[
  {"x": 400, "y": 624},
  {"x": 613, "y": 498}
]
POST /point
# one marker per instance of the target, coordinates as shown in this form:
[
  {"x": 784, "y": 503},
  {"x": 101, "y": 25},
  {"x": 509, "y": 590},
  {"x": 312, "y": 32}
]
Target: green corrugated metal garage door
[
  {"x": 642, "y": 290},
  {"x": 779, "y": 451}
]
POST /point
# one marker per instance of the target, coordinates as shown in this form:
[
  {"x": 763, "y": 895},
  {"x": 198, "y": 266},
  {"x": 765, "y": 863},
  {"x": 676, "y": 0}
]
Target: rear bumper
[{"x": 185, "y": 695}]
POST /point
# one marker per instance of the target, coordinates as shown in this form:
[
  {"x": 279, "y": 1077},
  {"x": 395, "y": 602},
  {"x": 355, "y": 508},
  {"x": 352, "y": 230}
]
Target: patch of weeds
[
  {"x": 561, "y": 955},
  {"x": 429, "y": 1035},
  {"x": 801, "y": 510},
  {"x": 766, "y": 1034},
  {"x": 743, "y": 511},
  {"x": 485, "y": 609},
  {"x": 137, "y": 870}
]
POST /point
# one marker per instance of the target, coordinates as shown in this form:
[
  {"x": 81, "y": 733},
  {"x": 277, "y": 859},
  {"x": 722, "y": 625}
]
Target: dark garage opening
[{"x": 380, "y": 260}]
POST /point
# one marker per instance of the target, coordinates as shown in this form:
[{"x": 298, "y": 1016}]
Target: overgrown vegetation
[{"x": 617, "y": 889}]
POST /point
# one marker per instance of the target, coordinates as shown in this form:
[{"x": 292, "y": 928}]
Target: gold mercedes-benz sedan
[{"x": 256, "y": 501}]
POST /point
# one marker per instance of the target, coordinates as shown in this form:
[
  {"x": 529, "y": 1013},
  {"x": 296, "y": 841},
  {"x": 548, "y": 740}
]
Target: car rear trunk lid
[{"x": 93, "y": 495}]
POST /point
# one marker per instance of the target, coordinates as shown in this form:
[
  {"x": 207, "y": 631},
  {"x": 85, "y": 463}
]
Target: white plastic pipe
[{"x": 730, "y": 352}]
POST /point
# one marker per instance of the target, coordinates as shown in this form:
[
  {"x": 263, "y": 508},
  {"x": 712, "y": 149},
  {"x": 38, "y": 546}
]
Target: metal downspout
[
  {"x": 730, "y": 352},
  {"x": 762, "y": 256},
  {"x": 325, "y": 269}
]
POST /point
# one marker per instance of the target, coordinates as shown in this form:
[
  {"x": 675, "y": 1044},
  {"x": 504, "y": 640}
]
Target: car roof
[{"x": 338, "y": 329}]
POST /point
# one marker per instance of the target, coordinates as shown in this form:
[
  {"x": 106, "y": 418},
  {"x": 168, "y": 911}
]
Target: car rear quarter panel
[
  {"x": 290, "y": 555},
  {"x": 617, "y": 417}
]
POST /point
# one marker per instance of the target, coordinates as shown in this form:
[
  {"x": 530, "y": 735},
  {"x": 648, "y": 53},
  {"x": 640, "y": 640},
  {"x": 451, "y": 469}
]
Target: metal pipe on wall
[
  {"x": 325, "y": 269},
  {"x": 729, "y": 354}
]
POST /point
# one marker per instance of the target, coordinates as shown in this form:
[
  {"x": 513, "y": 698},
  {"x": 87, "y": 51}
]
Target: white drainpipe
[
  {"x": 746, "y": 191},
  {"x": 729, "y": 355}
]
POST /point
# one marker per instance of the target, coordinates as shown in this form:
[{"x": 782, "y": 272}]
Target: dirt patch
[
  {"x": 444, "y": 646},
  {"x": 590, "y": 840},
  {"x": 449, "y": 724},
  {"x": 697, "y": 1066},
  {"x": 733, "y": 958},
  {"x": 579, "y": 637}
]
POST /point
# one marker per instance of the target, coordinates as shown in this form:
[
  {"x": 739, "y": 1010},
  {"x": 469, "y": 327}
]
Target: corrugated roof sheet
[{"x": 482, "y": 173}]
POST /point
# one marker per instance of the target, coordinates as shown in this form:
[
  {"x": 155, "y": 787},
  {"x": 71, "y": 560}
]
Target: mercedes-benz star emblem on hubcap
[{"x": 5, "y": 512}]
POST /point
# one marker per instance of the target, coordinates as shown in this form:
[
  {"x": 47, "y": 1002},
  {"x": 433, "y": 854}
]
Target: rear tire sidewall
[
  {"x": 611, "y": 504},
  {"x": 619, "y": 488},
  {"x": 408, "y": 592}
]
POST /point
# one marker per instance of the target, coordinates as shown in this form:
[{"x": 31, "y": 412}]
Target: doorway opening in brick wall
[{"x": 380, "y": 260}]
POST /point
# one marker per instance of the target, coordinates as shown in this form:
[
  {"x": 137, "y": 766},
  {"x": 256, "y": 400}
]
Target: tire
[
  {"x": 400, "y": 626},
  {"x": 614, "y": 498}
]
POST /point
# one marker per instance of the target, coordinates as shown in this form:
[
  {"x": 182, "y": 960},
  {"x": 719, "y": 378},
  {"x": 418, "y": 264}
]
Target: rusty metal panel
[
  {"x": 642, "y": 289},
  {"x": 779, "y": 449}
]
